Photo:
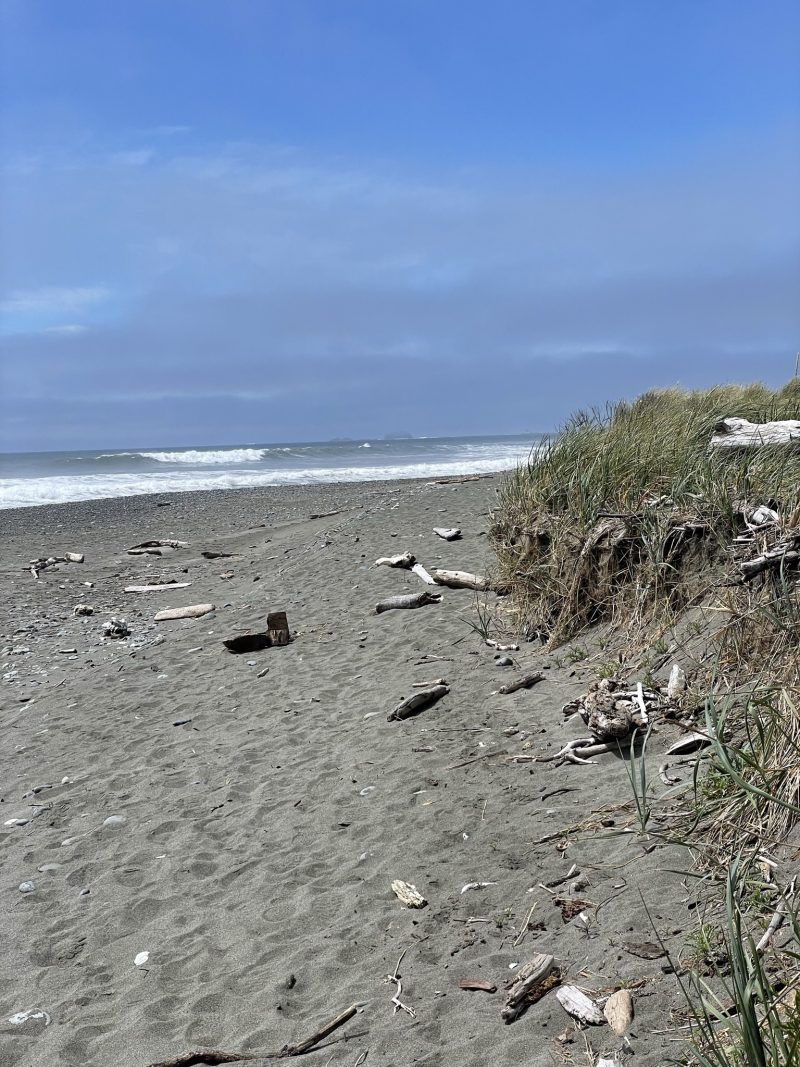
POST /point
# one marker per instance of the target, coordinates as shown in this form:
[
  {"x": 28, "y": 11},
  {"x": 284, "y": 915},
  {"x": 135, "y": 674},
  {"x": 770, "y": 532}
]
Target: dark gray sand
[{"x": 262, "y": 834}]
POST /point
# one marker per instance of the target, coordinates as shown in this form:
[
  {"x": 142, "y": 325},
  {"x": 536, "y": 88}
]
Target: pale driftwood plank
[
  {"x": 408, "y": 894},
  {"x": 192, "y": 611},
  {"x": 575, "y": 1003},
  {"x": 156, "y": 588}
]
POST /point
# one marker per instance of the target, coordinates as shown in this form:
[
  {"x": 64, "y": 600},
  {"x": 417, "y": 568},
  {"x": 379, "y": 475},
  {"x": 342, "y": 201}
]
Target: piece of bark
[
  {"x": 447, "y": 533},
  {"x": 409, "y": 600},
  {"x": 525, "y": 682},
  {"x": 156, "y": 588},
  {"x": 278, "y": 628},
  {"x": 408, "y": 894},
  {"x": 575, "y": 1003},
  {"x": 479, "y": 984},
  {"x": 191, "y": 611},
  {"x": 741, "y": 433},
  {"x": 618, "y": 1010},
  {"x": 416, "y": 702},
  {"x": 528, "y": 977},
  {"x": 461, "y": 580},
  {"x": 420, "y": 572},
  {"x": 645, "y": 950},
  {"x": 403, "y": 559}
]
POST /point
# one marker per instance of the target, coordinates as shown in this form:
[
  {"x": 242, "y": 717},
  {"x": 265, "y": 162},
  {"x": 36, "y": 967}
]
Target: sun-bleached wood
[
  {"x": 192, "y": 611},
  {"x": 461, "y": 580},
  {"x": 156, "y": 588},
  {"x": 741, "y": 433},
  {"x": 408, "y": 894},
  {"x": 408, "y": 600},
  {"x": 420, "y": 572},
  {"x": 528, "y": 976},
  {"x": 403, "y": 559},
  {"x": 447, "y": 533},
  {"x": 618, "y": 1010},
  {"x": 575, "y": 1003}
]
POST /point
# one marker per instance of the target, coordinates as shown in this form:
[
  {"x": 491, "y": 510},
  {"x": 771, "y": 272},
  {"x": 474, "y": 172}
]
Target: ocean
[{"x": 32, "y": 478}]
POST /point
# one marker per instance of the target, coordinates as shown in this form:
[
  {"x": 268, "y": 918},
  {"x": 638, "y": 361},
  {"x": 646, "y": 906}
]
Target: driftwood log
[
  {"x": 45, "y": 563},
  {"x": 447, "y": 533},
  {"x": 191, "y": 611},
  {"x": 525, "y": 682},
  {"x": 416, "y": 702},
  {"x": 156, "y": 548},
  {"x": 529, "y": 976},
  {"x": 740, "y": 433},
  {"x": 461, "y": 580},
  {"x": 408, "y": 600}
]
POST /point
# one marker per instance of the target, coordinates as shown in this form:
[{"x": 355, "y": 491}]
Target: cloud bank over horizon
[{"x": 166, "y": 285}]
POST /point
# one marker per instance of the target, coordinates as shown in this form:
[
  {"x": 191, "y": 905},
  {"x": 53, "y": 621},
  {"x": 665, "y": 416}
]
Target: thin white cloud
[
  {"x": 69, "y": 329},
  {"x": 53, "y": 299},
  {"x": 139, "y": 157}
]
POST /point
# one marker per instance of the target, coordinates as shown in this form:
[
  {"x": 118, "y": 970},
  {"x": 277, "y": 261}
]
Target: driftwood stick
[
  {"x": 461, "y": 580},
  {"x": 164, "y": 543},
  {"x": 409, "y": 600},
  {"x": 156, "y": 588},
  {"x": 777, "y": 920},
  {"x": 191, "y": 611},
  {"x": 420, "y": 572},
  {"x": 447, "y": 534},
  {"x": 404, "y": 559},
  {"x": 525, "y": 682},
  {"x": 416, "y": 702},
  {"x": 218, "y": 1056}
]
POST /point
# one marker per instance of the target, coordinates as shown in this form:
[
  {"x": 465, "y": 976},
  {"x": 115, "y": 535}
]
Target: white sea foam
[
  {"x": 25, "y": 492},
  {"x": 210, "y": 457}
]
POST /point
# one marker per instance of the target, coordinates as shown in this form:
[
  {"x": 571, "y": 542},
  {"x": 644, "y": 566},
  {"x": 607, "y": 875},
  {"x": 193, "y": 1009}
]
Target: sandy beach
[{"x": 261, "y": 804}]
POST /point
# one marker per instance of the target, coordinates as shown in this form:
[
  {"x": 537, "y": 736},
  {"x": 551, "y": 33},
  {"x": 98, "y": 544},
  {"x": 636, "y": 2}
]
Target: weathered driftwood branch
[
  {"x": 528, "y": 977},
  {"x": 408, "y": 600},
  {"x": 156, "y": 588},
  {"x": 217, "y": 1056},
  {"x": 420, "y": 572},
  {"x": 740, "y": 433},
  {"x": 785, "y": 551},
  {"x": 156, "y": 548},
  {"x": 525, "y": 682},
  {"x": 447, "y": 533},
  {"x": 415, "y": 703},
  {"x": 404, "y": 559},
  {"x": 191, "y": 611},
  {"x": 777, "y": 920},
  {"x": 461, "y": 580}
]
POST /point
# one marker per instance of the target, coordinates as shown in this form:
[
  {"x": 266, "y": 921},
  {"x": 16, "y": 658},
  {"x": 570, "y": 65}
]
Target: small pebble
[
  {"x": 141, "y": 959},
  {"x": 26, "y": 887},
  {"x": 504, "y": 661}
]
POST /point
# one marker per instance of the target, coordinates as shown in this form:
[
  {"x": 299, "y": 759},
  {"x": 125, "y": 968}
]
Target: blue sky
[{"x": 227, "y": 220}]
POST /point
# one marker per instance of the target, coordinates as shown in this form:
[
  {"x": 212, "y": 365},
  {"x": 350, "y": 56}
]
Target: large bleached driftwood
[
  {"x": 785, "y": 552},
  {"x": 192, "y": 611},
  {"x": 461, "y": 580},
  {"x": 408, "y": 600},
  {"x": 740, "y": 433},
  {"x": 528, "y": 977},
  {"x": 415, "y": 703}
]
